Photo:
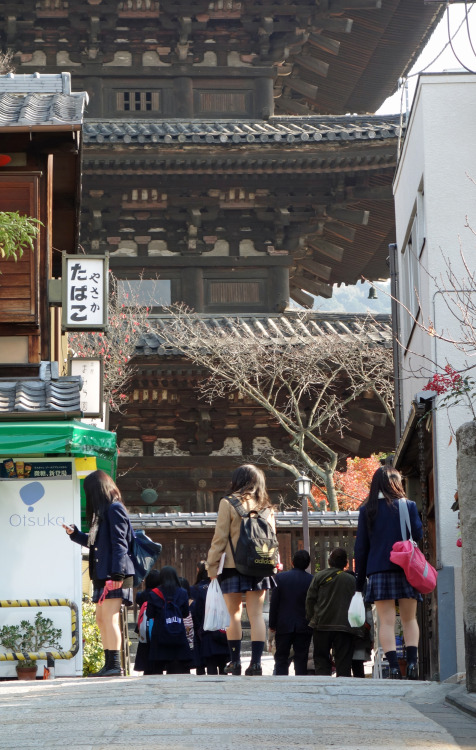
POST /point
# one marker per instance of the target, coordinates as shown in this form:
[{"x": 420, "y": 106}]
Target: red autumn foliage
[{"x": 352, "y": 485}]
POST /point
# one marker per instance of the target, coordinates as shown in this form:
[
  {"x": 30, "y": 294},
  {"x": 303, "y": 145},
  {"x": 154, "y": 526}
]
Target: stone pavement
[{"x": 187, "y": 712}]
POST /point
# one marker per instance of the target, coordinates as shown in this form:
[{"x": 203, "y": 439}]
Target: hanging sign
[
  {"x": 91, "y": 371},
  {"x": 85, "y": 292}
]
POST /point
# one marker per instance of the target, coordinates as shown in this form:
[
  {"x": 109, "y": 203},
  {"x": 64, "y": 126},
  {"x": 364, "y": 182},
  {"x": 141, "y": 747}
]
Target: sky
[{"x": 462, "y": 44}]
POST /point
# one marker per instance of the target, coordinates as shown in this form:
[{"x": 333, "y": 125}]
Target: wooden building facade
[{"x": 40, "y": 141}]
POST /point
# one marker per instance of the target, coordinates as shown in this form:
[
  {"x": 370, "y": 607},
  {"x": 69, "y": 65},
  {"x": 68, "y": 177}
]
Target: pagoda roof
[
  {"x": 330, "y": 57},
  {"x": 291, "y": 325},
  {"x": 285, "y": 130}
]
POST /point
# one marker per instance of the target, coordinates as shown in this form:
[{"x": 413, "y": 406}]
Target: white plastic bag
[
  {"x": 357, "y": 610},
  {"x": 216, "y": 613}
]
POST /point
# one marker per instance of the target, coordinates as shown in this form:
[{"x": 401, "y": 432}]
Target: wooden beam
[
  {"x": 301, "y": 297},
  {"x": 306, "y": 89},
  {"x": 362, "y": 428},
  {"x": 284, "y": 102},
  {"x": 325, "y": 44},
  {"x": 314, "y": 287},
  {"x": 378, "y": 419},
  {"x": 341, "y": 230},
  {"x": 339, "y": 25},
  {"x": 347, "y": 214},
  {"x": 349, "y": 443},
  {"x": 373, "y": 194},
  {"x": 319, "y": 67},
  {"x": 324, "y": 247},
  {"x": 318, "y": 269},
  {"x": 338, "y": 5}
]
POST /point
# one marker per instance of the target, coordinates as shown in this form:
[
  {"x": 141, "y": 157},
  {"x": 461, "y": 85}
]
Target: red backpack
[{"x": 144, "y": 623}]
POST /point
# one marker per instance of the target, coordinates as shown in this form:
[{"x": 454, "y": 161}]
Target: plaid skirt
[
  {"x": 238, "y": 584},
  {"x": 127, "y": 595},
  {"x": 390, "y": 585}
]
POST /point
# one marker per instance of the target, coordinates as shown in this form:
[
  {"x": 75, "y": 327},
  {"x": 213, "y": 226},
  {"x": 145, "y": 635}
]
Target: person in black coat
[
  {"x": 210, "y": 646},
  {"x": 287, "y": 615},
  {"x": 110, "y": 563},
  {"x": 169, "y": 650}
]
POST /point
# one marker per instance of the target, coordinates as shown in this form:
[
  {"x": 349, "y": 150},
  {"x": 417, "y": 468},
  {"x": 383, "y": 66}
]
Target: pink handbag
[{"x": 418, "y": 571}]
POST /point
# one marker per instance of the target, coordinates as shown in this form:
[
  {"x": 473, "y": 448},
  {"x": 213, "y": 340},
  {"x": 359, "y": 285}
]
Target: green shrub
[
  {"x": 31, "y": 637},
  {"x": 93, "y": 654}
]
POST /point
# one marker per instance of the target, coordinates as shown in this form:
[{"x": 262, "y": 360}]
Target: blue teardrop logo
[{"x": 31, "y": 493}]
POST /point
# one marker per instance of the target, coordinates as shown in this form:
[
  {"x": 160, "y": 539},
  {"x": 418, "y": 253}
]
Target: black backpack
[{"x": 256, "y": 552}]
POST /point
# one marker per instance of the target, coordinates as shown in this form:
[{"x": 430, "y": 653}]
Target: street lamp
[{"x": 303, "y": 484}]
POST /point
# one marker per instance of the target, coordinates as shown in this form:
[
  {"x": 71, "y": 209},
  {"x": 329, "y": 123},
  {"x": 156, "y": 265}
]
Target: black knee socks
[
  {"x": 257, "y": 648},
  {"x": 114, "y": 660},
  {"x": 235, "y": 650},
  {"x": 412, "y": 654},
  {"x": 392, "y": 659}
]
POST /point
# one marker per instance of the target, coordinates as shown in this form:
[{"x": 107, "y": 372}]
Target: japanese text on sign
[{"x": 86, "y": 305}]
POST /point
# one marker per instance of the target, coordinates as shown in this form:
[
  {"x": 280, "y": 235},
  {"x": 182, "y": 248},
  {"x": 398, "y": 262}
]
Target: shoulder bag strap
[
  {"x": 237, "y": 504},
  {"x": 404, "y": 519}
]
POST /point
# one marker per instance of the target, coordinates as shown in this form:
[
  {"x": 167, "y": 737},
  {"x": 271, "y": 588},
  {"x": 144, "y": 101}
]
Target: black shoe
[
  {"x": 112, "y": 672},
  {"x": 412, "y": 671},
  {"x": 254, "y": 670},
  {"x": 100, "y": 673},
  {"x": 395, "y": 673},
  {"x": 233, "y": 667}
]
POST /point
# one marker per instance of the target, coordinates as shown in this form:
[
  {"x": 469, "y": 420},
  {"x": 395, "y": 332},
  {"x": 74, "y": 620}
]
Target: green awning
[{"x": 59, "y": 438}]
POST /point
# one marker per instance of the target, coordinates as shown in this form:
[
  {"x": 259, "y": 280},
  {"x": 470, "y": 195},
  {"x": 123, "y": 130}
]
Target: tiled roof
[
  {"x": 34, "y": 100},
  {"x": 284, "y": 520},
  {"x": 286, "y": 130},
  {"x": 285, "y": 326},
  {"x": 41, "y": 109},
  {"x": 37, "y": 395}
]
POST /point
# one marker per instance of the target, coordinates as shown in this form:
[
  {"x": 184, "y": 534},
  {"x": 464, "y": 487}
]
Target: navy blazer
[
  {"x": 372, "y": 551},
  {"x": 112, "y": 548},
  {"x": 287, "y": 611}
]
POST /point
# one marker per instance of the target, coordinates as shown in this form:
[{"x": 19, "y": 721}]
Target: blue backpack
[{"x": 174, "y": 624}]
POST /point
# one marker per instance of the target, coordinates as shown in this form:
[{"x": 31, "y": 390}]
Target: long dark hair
[
  {"x": 100, "y": 491},
  {"x": 169, "y": 580},
  {"x": 202, "y": 572},
  {"x": 249, "y": 482},
  {"x": 387, "y": 481}
]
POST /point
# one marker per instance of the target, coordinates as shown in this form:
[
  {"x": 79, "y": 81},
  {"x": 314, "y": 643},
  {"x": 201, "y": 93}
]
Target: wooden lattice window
[
  {"x": 225, "y": 102},
  {"x": 138, "y": 101},
  {"x": 234, "y": 292}
]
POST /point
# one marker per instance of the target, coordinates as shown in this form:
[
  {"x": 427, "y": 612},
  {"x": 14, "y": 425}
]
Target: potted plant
[{"x": 27, "y": 638}]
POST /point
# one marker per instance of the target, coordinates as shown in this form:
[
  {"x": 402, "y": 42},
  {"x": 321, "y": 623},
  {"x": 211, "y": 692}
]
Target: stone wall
[{"x": 466, "y": 443}]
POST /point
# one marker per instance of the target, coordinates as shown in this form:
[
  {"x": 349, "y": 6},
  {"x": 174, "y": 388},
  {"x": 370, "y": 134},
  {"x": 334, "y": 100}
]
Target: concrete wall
[
  {"x": 434, "y": 175},
  {"x": 466, "y": 437}
]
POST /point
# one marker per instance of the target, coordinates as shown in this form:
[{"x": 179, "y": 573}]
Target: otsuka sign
[{"x": 37, "y": 558}]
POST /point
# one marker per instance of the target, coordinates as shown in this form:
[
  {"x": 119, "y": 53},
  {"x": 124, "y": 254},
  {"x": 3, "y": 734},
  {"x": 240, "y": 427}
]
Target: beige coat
[{"x": 228, "y": 524}]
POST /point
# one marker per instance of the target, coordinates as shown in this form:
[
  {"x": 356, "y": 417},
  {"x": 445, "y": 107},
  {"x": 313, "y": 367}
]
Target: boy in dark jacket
[
  {"x": 327, "y": 607},
  {"x": 287, "y": 615}
]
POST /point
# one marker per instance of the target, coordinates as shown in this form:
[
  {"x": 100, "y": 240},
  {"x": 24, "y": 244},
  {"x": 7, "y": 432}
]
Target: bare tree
[
  {"x": 307, "y": 383},
  {"x": 6, "y": 62},
  {"x": 116, "y": 346}
]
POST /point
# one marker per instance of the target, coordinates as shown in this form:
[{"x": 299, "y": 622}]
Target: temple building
[{"x": 230, "y": 163}]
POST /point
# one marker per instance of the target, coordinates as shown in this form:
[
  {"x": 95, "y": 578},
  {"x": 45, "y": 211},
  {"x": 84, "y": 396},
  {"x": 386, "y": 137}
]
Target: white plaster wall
[{"x": 440, "y": 147}]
